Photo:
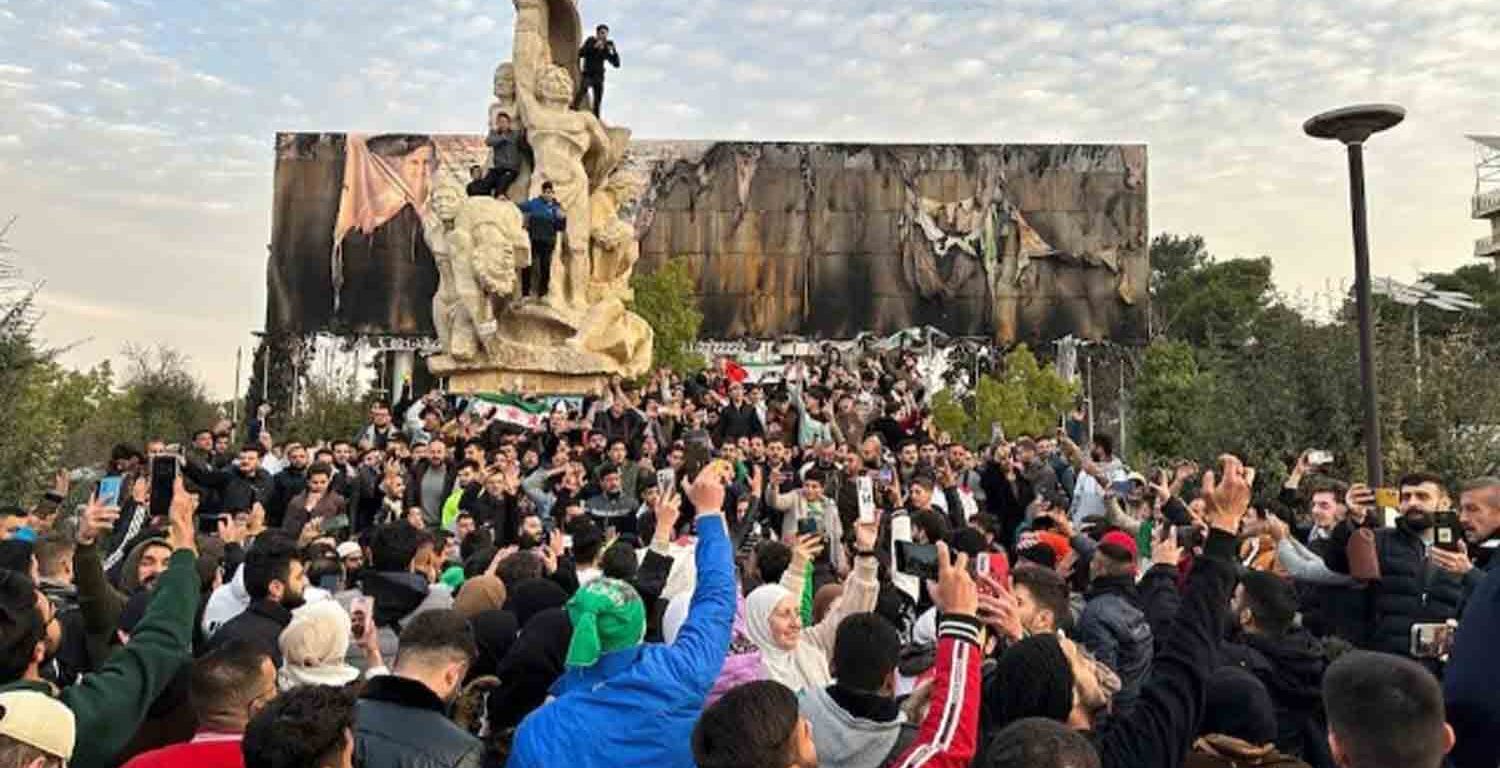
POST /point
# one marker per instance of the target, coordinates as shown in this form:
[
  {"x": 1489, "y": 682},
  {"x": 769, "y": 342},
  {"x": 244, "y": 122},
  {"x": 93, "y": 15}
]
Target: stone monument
[{"x": 575, "y": 338}]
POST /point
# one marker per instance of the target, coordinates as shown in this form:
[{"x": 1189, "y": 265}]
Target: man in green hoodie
[{"x": 110, "y": 702}]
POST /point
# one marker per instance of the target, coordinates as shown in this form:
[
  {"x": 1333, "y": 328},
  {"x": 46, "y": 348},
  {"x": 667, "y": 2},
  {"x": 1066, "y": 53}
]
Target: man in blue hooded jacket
[{"x": 624, "y": 703}]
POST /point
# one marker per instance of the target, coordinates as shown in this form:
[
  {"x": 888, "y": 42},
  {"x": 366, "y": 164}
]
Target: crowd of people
[{"x": 701, "y": 571}]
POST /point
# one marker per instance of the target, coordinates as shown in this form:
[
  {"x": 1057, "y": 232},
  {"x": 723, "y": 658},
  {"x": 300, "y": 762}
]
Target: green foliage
[
  {"x": 1024, "y": 397},
  {"x": 666, "y": 299},
  {"x": 1171, "y": 395},
  {"x": 328, "y": 408}
]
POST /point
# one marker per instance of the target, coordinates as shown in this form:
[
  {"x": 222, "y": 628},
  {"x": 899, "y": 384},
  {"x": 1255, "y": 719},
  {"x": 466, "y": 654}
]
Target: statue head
[
  {"x": 556, "y": 86},
  {"x": 446, "y": 200},
  {"x": 505, "y": 82}
]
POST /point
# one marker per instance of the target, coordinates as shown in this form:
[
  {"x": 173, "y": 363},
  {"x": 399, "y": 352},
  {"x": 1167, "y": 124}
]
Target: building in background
[{"x": 1486, "y": 204}]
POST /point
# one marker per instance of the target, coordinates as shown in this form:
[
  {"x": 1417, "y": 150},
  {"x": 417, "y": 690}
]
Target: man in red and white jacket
[{"x": 949, "y": 734}]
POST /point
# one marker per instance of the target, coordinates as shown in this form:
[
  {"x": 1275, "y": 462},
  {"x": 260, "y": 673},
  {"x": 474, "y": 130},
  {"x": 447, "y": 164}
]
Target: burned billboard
[{"x": 1010, "y": 242}]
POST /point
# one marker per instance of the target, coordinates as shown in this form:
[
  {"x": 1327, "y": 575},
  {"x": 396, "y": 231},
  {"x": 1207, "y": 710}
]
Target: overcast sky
[{"x": 136, "y": 135}]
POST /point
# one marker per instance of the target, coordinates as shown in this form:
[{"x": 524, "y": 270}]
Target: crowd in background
[{"x": 704, "y": 571}]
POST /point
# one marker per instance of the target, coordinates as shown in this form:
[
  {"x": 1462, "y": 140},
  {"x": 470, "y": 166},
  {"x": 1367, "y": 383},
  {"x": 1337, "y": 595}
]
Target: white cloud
[
  {"x": 14, "y": 70},
  {"x": 10, "y": 141}
]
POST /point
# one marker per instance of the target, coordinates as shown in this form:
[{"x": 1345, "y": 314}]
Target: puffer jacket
[
  {"x": 1411, "y": 590},
  {"x": 1291, "y": 667},
  {"x": 638, "y": 706},
  {"x": 400, "y": 723},
  {"x": 1114, "y": 629}
]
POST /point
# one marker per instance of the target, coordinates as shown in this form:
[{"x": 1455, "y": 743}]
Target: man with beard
[
  {"x": 274, "y": 579},
  {"x": 287, "y": 484},
  {"x": 1096, "y": 473},
  {"x": 431, "y": 483},
  {"x": 402, "y": 582},
  {"x": 316, "y": 502},
  {"x": 614, "y": 507},
  {"x": 737, "y": 418},
  {"x": 109, "y": 703},
  {"x": 238, "y": 486},
  {"x": 1268, "y": 643},
  {"x": 1413, "y": 587},
  {"x": 399, "y": 719}
]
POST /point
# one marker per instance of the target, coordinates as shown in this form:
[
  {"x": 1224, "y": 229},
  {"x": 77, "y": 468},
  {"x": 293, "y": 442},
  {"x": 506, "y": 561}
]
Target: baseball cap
[
  {"x": 38, "y": 720},
  {"x": 1122, "y": 540},
  {"x": 347, "y": 549}
]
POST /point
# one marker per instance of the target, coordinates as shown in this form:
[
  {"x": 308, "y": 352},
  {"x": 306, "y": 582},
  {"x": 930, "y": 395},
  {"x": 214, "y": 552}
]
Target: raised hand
[
  {"x": 1226, "y": 497},
  {"x": 707, "y": 491},
  {"x": 668, "y": 510},
  {"x": 998, "y": 609},
  {"x": 956, "y": 593},
  {"x": 95, "y": 520},
  {"x": 181, "y": 532},
  {"x": 1359, "y": 500},
  {"x": 807, "y": 548},
  {"x": 61, "y": 483},
  {"x": 866, "y": 534},
  {"x": 1167, "y": 551}
]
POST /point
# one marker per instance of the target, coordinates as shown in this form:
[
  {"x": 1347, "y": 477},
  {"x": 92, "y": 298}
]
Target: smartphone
[
  {"x": 1319, "y": 458},
  {"x": 695, "y": 457},
  {"x": 993, "y": 564},
  {"x": 1447, "y": 531},
  {"x": 329, "y": 582},
  {"x": 666, "y": 480},
  {"x": 866, "y": 490},
  {"x": 919, "y": 560},
  {"x": 361, "y": 616},
  {"x": 335, "y": 523},
  {"x": 108, "y": 491},
  {"x": 997, "y": 432},
  {"x": 208, "y": 525},
  {"x": 808, "y": 525},
  {"x": 1387, "y": 498},
  {"x": 887, "y": 475},
  {"x": 164, "y": 470},
  {"x": 1432, "y": 641}
]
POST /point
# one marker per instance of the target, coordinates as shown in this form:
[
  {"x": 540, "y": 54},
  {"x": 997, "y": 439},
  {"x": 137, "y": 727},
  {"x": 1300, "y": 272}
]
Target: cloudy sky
[{"x": 136, "y": 135}]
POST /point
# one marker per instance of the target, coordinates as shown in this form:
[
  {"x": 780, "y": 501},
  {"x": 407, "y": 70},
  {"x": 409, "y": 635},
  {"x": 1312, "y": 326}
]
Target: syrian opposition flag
[{"x": 523, "y": 413}]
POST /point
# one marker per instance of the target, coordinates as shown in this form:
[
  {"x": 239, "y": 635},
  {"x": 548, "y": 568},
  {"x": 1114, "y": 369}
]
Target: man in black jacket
[
  {"x": 738, "y": 418},
  {"x": 1284, "y": 657},
  {"x": 595, "y": 52},
  {"x": 1414, "y": 585},
  {"x": 400, "y": 720},
  {"x": 239, "y": 486},
  {"x": 287, "y": 484},
  {"x": 274, "y": 579},
  {"x": 1161, "y": 729}
]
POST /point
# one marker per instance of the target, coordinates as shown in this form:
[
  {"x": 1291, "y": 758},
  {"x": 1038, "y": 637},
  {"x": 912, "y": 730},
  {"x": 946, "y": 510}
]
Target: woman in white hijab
[
  {"x": 797, "y": 656},
  {"x": 313, "y": 648}
]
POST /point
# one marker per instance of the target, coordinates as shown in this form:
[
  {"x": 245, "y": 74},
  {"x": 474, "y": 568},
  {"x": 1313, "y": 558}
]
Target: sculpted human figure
[
  {"x": 489, "y": 246},
  {"x": 615, "y": 248},
  {"x": 560, "y": 138},
  {"x": 437, "y": 230}
]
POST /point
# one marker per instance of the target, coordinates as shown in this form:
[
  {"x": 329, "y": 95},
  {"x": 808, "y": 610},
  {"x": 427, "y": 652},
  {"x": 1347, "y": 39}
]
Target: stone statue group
[{"x": 581, "y": 330}]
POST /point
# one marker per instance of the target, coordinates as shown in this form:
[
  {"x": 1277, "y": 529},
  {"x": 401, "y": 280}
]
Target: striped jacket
[{"x": 949, "y": 735}]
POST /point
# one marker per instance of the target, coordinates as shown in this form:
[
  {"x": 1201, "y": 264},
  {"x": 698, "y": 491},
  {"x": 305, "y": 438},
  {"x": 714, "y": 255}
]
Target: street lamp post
[{"x": 1352, "y": 126}]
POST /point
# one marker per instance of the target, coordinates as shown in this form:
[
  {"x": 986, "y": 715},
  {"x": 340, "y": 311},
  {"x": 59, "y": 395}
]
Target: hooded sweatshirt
[{"x": 846, "y": 740}]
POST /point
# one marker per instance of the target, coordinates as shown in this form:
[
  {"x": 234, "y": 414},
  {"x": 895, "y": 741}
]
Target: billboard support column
[{"x": 403, "y": 365}]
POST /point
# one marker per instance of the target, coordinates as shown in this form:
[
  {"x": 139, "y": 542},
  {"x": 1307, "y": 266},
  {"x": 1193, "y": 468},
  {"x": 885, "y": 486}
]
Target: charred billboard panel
[{"x": 1014, "y": 242}]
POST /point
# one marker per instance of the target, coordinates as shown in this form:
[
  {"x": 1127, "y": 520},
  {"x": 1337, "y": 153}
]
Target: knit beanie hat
[
  {"x": 1033, "y": 679},
  {"x": 1238, "y": 705},
  {"x": 607, "y": 616},
  {"x": 317, "y": 636},
  {"x": 480, "y": 594}
]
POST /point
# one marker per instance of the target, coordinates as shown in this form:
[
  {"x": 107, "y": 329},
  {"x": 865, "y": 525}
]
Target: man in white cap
[{"x": 36, "y": 730}]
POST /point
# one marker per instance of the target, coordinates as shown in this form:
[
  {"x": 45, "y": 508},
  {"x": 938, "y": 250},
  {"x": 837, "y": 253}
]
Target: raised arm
[{"x": 698, "y": 654}]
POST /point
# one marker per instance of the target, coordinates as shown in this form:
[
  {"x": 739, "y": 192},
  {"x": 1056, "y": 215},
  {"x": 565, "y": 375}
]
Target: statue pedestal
[{"x": 527, "y": 382}]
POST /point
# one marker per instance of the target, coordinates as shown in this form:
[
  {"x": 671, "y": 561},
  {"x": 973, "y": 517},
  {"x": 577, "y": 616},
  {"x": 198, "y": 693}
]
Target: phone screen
[
  {"x": 109, "y": 490},
  {"x": 359, "y": 616},
  {"x": 1447, "y": 531},
  {"x": 920, "y": 560},
  {"x": 163, "y": 477}
]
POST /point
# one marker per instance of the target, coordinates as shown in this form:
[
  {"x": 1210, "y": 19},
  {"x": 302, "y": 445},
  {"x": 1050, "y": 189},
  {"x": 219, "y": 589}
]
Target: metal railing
[{"x": 1486, "y": 204}]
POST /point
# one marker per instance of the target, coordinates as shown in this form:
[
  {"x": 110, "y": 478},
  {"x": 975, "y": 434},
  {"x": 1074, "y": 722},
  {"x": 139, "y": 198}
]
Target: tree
[
  {"x": 667, "y": 301},
  {"x": 1171, "y": 399},
  {"x": 1023, "y": 397}
]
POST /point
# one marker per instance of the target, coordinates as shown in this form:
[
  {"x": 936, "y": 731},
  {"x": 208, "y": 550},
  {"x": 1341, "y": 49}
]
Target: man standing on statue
[
  {"x": 544, "y": 220},
  {"x": 596, "y": 50},
  {"x": 505, "y": 158}
]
